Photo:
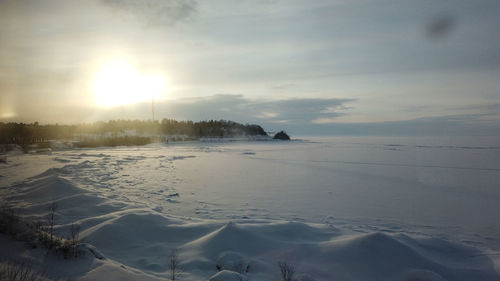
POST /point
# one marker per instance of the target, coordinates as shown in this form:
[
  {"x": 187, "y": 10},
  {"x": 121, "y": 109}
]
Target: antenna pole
[{"x": 153, "y": 106}]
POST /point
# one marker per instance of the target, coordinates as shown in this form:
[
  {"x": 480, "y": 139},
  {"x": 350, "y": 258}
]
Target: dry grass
[{"x": 20, "y": 272}]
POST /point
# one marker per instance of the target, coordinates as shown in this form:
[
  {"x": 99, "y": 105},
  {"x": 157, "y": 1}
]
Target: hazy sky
[{"x": 312, "y": 67}]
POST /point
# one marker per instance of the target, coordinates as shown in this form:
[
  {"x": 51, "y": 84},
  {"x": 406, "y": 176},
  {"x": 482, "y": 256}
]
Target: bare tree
[
  {"x": 174, "y": 265},
  {"x": 287, "y": 271},
  {"x": 51, "y": 217},
  {"x": 74, "y": 232}
]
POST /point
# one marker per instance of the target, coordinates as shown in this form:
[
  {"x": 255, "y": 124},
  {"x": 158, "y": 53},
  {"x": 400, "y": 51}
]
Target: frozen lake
[
  {"x": 434, "y": 182},
  {"x": 443, "y": 188}
]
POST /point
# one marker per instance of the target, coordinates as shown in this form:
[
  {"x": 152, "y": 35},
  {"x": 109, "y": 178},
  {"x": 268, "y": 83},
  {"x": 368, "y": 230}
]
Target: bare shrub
[
  {"x": 12, "y": 225},
  {"x": 64, "y": 247},
  {"x": 74, "y": 232},
  {"x": 174, "y": 265},
  {"x": 34, "y": 232},
  {"x": 9, "y": 221},
  {"x": 37, "y": 227},
  {"x": 287, "y": 271},
  {"x": 21, "y": 272},
  {"x": 51, "y": 218}
]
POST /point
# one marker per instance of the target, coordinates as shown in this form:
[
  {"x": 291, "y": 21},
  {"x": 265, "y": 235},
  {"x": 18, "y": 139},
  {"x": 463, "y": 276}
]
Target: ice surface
[{"x": 336, "y": 208}]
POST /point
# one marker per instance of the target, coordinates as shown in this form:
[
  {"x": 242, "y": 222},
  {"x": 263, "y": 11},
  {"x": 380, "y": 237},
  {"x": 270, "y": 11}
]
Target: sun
[{"x": 119, "y": 83}]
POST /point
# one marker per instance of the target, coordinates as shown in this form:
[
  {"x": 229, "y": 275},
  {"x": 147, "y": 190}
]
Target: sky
[{"x": 429, "y": 67}]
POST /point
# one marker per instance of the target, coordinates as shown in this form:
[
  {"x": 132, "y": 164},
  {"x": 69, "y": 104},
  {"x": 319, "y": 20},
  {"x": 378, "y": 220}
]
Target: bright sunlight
[{"x": 119, "y": 83}]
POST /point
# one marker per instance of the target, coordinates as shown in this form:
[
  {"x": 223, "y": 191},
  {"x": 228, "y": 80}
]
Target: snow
[
  {"x": 227, "y": 275},
  {"x": 232, "y": 261},
  {"x": 334, "y": 208}
]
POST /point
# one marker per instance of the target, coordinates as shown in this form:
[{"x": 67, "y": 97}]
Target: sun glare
[{"x": 119, "y": 83}]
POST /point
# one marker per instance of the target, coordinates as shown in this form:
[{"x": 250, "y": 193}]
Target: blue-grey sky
[{"x": 311, "y": 67}]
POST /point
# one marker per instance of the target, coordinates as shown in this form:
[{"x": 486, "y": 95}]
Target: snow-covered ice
[{"x": 344, "y": 208}]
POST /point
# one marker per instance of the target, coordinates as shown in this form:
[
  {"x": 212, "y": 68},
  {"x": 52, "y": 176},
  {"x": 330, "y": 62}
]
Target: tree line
[{"x": 31, "y": 133}]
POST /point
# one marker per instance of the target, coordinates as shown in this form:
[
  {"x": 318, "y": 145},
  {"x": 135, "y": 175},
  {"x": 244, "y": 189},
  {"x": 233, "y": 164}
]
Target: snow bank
[
  {"x": 73, "y": 202},
  {"x": 151, "y": 237},
  {"x": 232, "y": 261},
  {"x": 230, "y": 237},
  {"x": 378, "y": 256},
  {"x": 227, "y": 275},
  {"x": 420, "y": 275},
  {"x": 46, "y": 187}
]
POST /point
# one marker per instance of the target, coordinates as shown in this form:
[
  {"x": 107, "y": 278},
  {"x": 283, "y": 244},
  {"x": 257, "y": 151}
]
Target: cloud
[
  {"x": 272, "y": 114},
  {"x": 267, "y": 115},
  {"x": 303, "y": 110},
  {"x": 239, "y": 108},
  {"x": 324, "y": 120},
  {"x": 316, "y": 116},
  {"x": 449, "y": 125},
  {"x": 156, "y": 12},
  {"x": 491, "y": 108},
  {"x": 307, "y": 117}
]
